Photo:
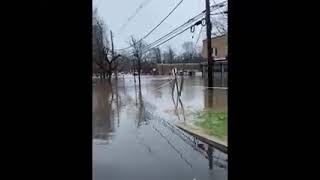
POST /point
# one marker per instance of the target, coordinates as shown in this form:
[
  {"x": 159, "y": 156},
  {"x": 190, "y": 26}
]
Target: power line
[
  {"x": 177, "y": 29},
  {"x": 141, "y": 6},
  {"x": 215, "y": 23},
  {"x": 190, "y": 21},
  {"x": 213, "y": 7},
  {"x": 150, "y": 46},
  {"x": 168, "y": 39},
  {"x": 218, "y": 9},
  {"x": 157, "y": 24},
  {"x": 219, "y": 26},
  {"x": 199, "y": 35},
  {"x": 171, "y": 37},
  {"x": 163, "y": 19},
  {"x": 219, "y": 13}
]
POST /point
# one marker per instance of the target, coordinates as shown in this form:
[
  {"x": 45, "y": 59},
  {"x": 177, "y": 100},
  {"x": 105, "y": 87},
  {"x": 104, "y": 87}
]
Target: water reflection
[
  {"x": 156, "y": 88},
  {"x": 208, "y": 96},
  {"x": 176, "y": 87},
  {"x": 173, "y": 146},
  {"x": 106, "y": 107},
  {"x": 118, "y": 102},
  {"x": 215, "y": 99},
  {"x": 142, "y": 120},
  {"x": 214, "y": 157}
]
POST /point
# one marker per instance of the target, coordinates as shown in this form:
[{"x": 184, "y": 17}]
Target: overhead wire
[
  {"x": 215, "y": 22},
  {"x": 158, "y": 42},
  {"x": 213, "y": 7},
  {"x": 215, "y": 3},
  {"x": 157, "y": 24},
  {"x": 167, "y": 39},
  {"x": 162, "y": 20},
  {"x": 190, "y": 21},
  {"x": 187, "y": 24},
  {"x": 141, "y": 6},
  {"x": 200, "y": 32}
]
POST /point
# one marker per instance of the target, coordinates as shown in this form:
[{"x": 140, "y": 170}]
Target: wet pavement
[{"x": 134, "y": 136}]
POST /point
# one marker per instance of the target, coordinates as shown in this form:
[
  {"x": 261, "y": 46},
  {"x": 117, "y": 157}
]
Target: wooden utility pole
[
  {"x": 139, "y": 65},
  {"x": 112, "y": 49},
  {"x": 209, "y": 49},
  {"x": 112, "y": 53},
  {"x": 139, "y": 69},
  {"x": 134, "y": 71},
  {"x": 137, "y": 52}
]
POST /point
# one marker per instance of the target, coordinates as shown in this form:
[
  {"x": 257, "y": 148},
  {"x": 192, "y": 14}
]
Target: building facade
[
  {"x": 166, "y": 69},
  {"x": 219, "y": 46}
]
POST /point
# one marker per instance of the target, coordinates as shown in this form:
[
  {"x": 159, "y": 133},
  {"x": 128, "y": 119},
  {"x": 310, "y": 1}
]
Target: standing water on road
[{"x": 134, "y": 135}]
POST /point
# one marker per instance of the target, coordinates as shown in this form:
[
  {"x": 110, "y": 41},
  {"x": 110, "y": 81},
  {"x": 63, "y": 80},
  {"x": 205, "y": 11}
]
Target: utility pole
[
  {"x": 139, "y": 70},
  {"x": 112, "y": 50},
  {"x": 162, "y": 67},
  {"x": 137, "y": 52},
  {"x": 134, "y": 71},
  {"x": 209, "y": 49},
  {"x": 112, "y": 53},
  {"x": 139, "y": 65}
]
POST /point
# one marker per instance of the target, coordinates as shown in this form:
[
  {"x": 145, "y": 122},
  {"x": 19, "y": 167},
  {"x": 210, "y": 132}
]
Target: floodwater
[{"x": 134, "y": 136}]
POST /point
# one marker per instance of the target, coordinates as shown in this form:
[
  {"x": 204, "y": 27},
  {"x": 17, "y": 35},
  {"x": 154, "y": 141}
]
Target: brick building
[{"x": 219, "y": 46}]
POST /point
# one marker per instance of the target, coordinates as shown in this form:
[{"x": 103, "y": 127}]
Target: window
[{"x": 214, "y": 52}]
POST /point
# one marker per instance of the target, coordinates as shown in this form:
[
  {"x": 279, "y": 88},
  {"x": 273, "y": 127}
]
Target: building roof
[{"x": 215, "y": 37}]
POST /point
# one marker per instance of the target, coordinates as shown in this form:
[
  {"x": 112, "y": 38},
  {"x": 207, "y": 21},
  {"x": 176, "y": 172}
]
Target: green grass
[{"x": 215, "y": 123}]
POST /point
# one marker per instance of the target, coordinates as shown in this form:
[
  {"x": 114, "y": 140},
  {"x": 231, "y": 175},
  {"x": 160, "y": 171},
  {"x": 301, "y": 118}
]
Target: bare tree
[
  {"x": 220, "y": 23},
  {"x": 97, "y": 44},
  {"x": 169, "y": 55},
  {"x": 124, "y": 62},
  {"x": 111, "y": 57},
  {"x": 138, "y": 47},
  {"x": 104, "y": 56},
  {"x": 189, "y": 51},
  {"x": 156, "y": 54}
]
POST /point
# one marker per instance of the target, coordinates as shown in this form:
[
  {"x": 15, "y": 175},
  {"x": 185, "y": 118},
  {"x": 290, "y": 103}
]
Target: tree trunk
[
  {"x": 110, "y": 71},
  {"x": 139, "y": 70},
  {"x": 109, "y": 74}
]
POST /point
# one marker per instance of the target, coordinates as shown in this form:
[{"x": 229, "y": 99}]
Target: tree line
[{"x": 106, "y": 61}]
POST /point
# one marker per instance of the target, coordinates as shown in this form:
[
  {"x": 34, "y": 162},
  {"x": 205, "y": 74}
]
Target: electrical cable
[
  {"x": 156, "y": 25},
  {"x": 148, "y": 47}
]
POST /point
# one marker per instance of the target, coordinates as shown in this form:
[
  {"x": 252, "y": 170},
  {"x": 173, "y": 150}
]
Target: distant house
[{"x": 219, "y": 46}]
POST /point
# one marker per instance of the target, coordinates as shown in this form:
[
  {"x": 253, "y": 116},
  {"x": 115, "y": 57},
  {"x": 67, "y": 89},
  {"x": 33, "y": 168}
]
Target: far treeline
[{"x": 107, "y": 61}]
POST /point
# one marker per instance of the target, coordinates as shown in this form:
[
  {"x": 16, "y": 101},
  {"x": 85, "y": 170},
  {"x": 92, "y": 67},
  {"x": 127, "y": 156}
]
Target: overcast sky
[{"x": 116, "y": 13}]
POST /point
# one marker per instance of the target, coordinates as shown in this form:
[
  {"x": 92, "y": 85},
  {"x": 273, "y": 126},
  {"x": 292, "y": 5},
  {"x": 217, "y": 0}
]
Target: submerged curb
[{"x": 215, "y": 142}]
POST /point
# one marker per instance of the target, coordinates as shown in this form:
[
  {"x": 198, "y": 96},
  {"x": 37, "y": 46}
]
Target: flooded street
[{"x": 134, "y": 136}]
